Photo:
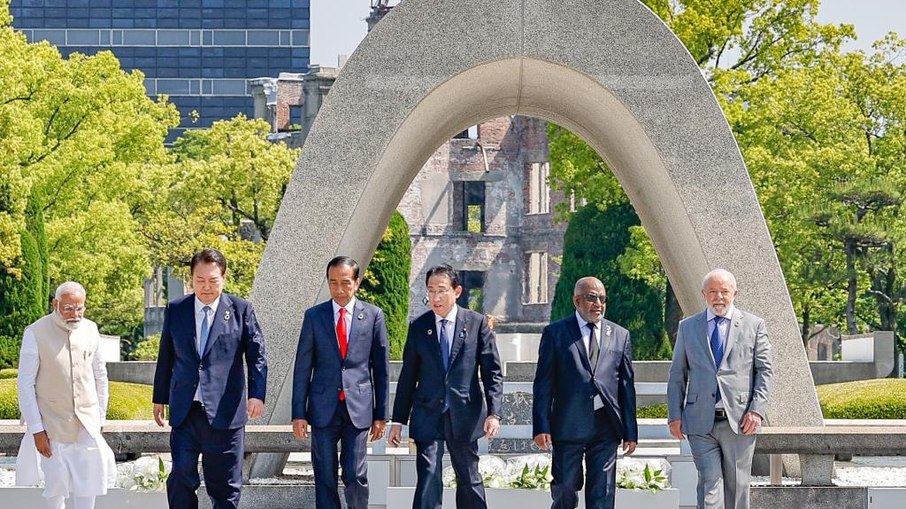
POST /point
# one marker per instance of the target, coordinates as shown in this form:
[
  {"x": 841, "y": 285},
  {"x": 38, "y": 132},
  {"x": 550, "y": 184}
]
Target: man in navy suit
[
  {"x": 205, "y": 338},
  {"x": 584, "y": 399},
  {"x": 438, "y": 393},
  {"x": 341, "y": 386}
]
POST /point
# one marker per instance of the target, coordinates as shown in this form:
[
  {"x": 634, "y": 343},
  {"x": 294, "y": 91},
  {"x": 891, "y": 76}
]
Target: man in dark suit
[
  {"x": 584, "y": 399},
  {"x": 205, "y": 338},
  {"x": 341, "y": 386},
  {"x": 717, "y": 393},
  {"x": 438, "y": 394}
]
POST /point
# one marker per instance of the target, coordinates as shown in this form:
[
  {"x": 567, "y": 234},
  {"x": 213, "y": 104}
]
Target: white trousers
[{"x": 82, "y": 469}]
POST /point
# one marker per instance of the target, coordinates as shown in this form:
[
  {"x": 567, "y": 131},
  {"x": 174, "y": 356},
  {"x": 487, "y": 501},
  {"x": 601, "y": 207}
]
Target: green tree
[
  {"x": 222, "y": 191},
  {"x": 386, "y": 281},
  {"x": 24, "y": 296},
  {"x": 81, "y": 133},
  {"x": 593, "y": 244}
]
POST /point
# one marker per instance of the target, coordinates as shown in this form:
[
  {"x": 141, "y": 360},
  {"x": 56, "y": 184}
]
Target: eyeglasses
[
  {"x": 69, "y": 308},
  {"x": 439, "y": 293},
  {"x": 590, "y": 297}
]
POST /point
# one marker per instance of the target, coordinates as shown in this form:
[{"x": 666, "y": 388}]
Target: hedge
[
  {"x": 127, "y": 401},
  {"x": 882, "y": 398}
]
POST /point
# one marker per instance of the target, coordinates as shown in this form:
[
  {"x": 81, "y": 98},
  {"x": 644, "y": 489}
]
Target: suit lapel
[
  {"x": 356, "y": 327},
  {"x": 188, "y": 314},
  {"x": 606, "y": 338},
  {"x": 701, "y": 326},
  {"x": 327, "y": 321},
  {"x": 432, "y": 337},
  {"x": 732, "y": 334},
  {"x": 574, "y": 336},
  {"x": 459, "y": 334},
  {"x": 224, "y": 313}
]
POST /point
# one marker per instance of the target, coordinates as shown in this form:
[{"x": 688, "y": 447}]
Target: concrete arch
[{"x": 611, "y": 72}]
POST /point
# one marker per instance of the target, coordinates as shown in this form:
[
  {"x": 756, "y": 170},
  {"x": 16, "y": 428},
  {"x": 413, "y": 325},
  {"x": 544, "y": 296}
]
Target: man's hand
[
  {"x": 159, "y": 414},
  {"x": 629, "y": 448},
  {"x": 377, "y": 430},
  {"x": 393, "y": 438},
  {"x": 42, "y": 443},
  {"x": 543, "y": 441},
  {"x": 300, "y": 428},
  {"x": 255, "y": 408},
  {"x": 676, "y": 429},
  {"x": 491, "y": 426},
  {"x": 750, "y": 423}
]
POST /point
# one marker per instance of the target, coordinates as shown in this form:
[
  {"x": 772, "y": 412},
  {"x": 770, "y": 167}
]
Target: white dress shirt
[
  {"x": 723, "y": 332},
  {"x": 450, "y": 330},
  {"x": 28, "y": 376},
  {"x": 586, "y": 340},
  {"x": 349, "y": 307},
  {"x": 199, "y": 317}
]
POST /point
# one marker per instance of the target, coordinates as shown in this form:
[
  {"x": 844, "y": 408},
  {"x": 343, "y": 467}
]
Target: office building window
[
  {"x": 539, "y": 191},
  {"x": 534, "y": 284},
  {"x": 472, "y": 296}
]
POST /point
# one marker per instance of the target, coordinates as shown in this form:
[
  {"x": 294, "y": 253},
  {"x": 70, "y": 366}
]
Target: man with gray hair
[
  {"x": 62, "y": 389},
  {"x": 717, "y": 392}
]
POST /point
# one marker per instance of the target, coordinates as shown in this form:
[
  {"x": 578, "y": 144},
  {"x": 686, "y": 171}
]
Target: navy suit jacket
[
  {"x": 321, "y": 372},
  {"x": 234, "y": 336},
  {"x": 565, "y": 386},
  {"x": 423, "y": 385}
]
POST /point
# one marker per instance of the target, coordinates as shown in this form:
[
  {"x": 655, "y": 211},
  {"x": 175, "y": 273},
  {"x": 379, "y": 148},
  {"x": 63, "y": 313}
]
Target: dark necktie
[
  {"x": 444, "y": 345},
  {"x": 593, "y": 347}
]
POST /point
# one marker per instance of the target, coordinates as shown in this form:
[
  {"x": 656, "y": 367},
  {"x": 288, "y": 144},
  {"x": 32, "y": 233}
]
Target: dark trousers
[
  {"x": 353, "y": 449},
  {"x": 429, "y": 466},
  {"x": 221, "y": 460},
  {"x": 601, "y": 460}
]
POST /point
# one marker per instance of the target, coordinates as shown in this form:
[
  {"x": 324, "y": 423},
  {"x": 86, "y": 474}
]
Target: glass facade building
[{"x": 201, "y": 53}]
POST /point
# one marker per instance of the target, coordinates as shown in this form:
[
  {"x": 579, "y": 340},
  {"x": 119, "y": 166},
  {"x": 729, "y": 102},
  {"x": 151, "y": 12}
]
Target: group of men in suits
[{"x": 212, "y": 373}]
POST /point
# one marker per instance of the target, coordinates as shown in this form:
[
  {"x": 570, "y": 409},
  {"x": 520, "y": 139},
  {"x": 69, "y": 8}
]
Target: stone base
[{"x": 809, "y": 497}]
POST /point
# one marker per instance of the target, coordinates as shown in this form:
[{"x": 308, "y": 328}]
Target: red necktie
[{"x": 341, "y": 337}]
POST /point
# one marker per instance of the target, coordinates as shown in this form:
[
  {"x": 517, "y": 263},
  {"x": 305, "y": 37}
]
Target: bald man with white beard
[{"x": 62, "y": 390}]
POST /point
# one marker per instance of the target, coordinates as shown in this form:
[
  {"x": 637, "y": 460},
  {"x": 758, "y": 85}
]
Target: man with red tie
[{"x": 341, "y": 386}]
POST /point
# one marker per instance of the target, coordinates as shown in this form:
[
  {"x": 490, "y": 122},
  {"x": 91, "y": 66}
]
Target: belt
[{"x": 720, "y": 413}]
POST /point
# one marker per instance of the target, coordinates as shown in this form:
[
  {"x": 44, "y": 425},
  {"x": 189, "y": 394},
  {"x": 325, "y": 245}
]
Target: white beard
[{"x": 69, "y": 325}]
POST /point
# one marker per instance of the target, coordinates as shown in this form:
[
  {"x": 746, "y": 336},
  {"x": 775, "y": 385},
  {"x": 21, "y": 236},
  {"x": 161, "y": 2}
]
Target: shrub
[
  {"x": 148, "y": 349},
  {"x": 9, "y": 352},
  {"x": 882, "y": 398},
  {"x": 386, "y": 281},
  {"x": 8, "y": 373},
  {"x": 127, "y": 401},
  {"x": 652, "y": 412},
  {"x": 24, "y": 293}
]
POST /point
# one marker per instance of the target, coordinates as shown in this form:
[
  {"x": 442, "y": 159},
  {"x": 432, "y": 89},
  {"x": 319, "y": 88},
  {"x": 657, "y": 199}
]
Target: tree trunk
[
  {"x": 806, "y": 325},
  {"x": 852, "y": 288}
]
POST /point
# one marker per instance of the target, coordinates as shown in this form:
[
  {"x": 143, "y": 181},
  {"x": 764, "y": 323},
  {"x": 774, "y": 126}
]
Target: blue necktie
[
  {"x": 444, "y": 345},
  {"x": 717, "y": 347},
  {"x": 205, "y": 330}
]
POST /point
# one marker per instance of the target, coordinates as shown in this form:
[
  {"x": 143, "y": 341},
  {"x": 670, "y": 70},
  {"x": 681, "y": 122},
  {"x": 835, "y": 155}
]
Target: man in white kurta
[{"x": 62, "y": 389}]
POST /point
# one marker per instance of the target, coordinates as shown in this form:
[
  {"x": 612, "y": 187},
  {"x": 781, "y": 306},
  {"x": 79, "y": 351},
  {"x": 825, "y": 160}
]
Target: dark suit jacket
[
  {"x": 234, "y": 335},
  {"x": 565, "y": 387},
  {"x": 423, "y": 386},
  {"x": 320, "y": 372}
]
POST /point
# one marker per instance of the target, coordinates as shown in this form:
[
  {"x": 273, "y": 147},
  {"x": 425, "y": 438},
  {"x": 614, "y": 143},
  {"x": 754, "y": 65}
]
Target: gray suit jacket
[{"x": 744, "y": 378}]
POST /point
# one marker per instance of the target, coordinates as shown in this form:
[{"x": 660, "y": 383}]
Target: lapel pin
[
  {"x": 607, "y": 330},
  {"x": 226, "y": 314},
  {"x": 462, "y": 333},
  {"x": 361, "y": 315},
  {"x": 430, "y": 332}
]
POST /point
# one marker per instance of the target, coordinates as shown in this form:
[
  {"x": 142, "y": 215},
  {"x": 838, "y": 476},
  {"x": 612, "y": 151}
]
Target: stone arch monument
[{"x": 611, "y": 72}]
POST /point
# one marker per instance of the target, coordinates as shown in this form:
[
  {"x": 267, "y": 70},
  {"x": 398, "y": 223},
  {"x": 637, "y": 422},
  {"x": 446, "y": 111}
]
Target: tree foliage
[
  {"x": 386, "y": 281},
  {"x": 593, "y": 244}
]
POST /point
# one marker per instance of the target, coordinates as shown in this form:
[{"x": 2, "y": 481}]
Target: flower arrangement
[
  {"x": 533, "y": 472},
  {"x": 144, "y": 474}
]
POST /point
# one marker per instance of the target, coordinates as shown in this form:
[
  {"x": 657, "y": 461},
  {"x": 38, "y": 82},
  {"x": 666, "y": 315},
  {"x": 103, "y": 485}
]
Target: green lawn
[{"x": 127, "y": 401}]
